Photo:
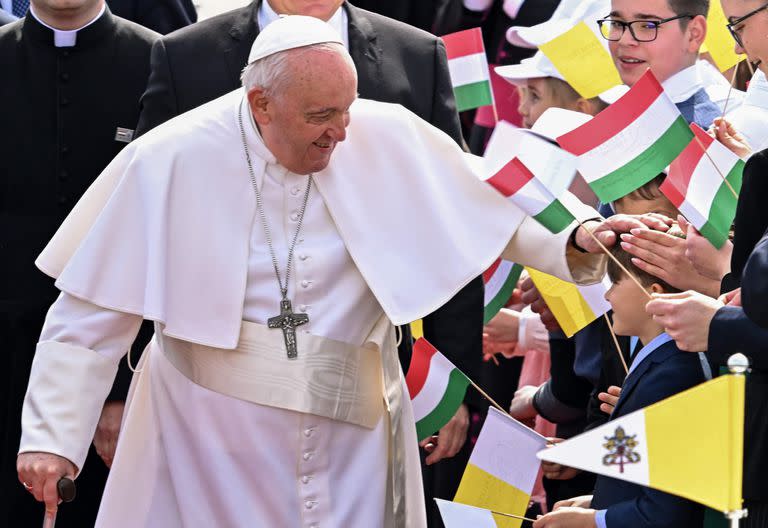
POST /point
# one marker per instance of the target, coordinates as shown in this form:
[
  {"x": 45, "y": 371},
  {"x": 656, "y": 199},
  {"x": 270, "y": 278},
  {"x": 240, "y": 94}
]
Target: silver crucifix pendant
[{"x": 288, "y": 321}]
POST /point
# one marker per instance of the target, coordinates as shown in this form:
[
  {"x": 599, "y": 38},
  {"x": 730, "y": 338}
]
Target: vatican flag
[{"x": 689, "y": 445}]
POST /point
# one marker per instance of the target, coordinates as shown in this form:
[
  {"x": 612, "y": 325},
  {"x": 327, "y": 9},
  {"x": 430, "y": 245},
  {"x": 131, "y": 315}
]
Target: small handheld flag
[
  {"x": 695, "y": 185},
  {"x": 468, "y": 67},
  {"x": 630, "y": 142},
  {"x": 500, "y": 281}
]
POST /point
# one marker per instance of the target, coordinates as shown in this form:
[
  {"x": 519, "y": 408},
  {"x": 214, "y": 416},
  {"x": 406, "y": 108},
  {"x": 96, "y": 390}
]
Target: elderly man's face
[
  {"x": 322, "y": 9},
  {"x": 302, "y": 125}
]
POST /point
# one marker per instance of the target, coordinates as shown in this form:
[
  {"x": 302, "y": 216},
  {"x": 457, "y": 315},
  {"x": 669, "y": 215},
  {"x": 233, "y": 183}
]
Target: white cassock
[{"x": 219, "y": 429}]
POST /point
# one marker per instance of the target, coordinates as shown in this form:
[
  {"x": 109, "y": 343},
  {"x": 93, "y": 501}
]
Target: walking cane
[{"x": 67, "y": 491}]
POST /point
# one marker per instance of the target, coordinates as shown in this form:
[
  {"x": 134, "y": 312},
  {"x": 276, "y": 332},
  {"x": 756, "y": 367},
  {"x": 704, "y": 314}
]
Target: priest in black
[
  {"x": 69, "y": 102},
  {"x": 396, "y": 63}
]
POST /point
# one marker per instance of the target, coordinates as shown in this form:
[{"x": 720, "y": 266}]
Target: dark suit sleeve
[
  {"x": 456, "y": 329},
  {"x": 158, "y": 104},
  {"x": 754, "y": 284},
  {"x": 651, "y": 509},
  {"x": 731, "y": 331},
  {"x": 444, "y": 114}
]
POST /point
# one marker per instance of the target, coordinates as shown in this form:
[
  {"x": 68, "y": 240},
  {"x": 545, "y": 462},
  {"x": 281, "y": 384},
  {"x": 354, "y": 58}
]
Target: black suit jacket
[
  {"x": 665, "y": 372},
  {"x": 59, "y": 114},
  {"x": 163, "y": 16},
  {"x": 396, "y": 63}
]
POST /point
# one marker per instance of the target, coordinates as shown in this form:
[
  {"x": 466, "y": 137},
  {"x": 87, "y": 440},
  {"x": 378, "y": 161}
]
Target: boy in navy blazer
[{"x": 658, "y": 371}]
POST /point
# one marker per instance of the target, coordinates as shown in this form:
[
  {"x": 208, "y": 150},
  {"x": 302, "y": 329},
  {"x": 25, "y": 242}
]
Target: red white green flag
[
  {"x": 468, "y": 67},
  {"x": 698, "y": 190},
  {"x": 630, "y": 142},
  {"x": 500, "y": 281},
  {"x": 516, "y": 182},
  {"x": 436, "y": 386}
]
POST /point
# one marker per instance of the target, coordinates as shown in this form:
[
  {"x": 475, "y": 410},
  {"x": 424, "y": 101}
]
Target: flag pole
[
  {"x": 738, "y": 365},
  {"x": 730, "y": 89},
  {"x": 616, "y": 342},
  {"x": 513, "y": 516},
  {"x": 733, "y": 191}
]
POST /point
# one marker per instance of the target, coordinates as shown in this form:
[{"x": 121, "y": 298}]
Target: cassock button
[
  {"x": 308, "y": 432},
  {"x": 294, "y": 216},
  {"x": 309, "y": 504},
  {"x": 307, "y": 455},
  {"x": 303, "y": 308},
  {"x": 305, "y": 479},
  {"x": 63, "y": 175},
  {"x": 64, "y": 101},
  {"x": 63, "y": 200},
  {"x": 296, "y": 190},
  {"x": 64, "y": 151},
  {"x": 64, "y": 76},
  {"x": 305, "y": 284},
  {"x": 303, "y": 256}
]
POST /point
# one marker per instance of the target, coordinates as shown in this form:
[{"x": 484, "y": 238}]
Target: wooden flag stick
[
  {"x": 512, "y": 516},
  {"x": 619, "y": 264},
  {"x": 730, "y": 89},
  {"x": 485, "y": 395},
  {"x": 616, "y": 342},
  {"x": 751, "y": 69}
]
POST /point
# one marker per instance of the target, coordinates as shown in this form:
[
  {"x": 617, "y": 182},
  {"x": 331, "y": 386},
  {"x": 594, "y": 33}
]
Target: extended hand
[
  {"x": 530, "y": 295},
  {"x": 609, "y": 399},
  {"x": 605, "y": 230},
  {"x": 664, "y": 256},
  {"x": 709, "y": 261},
  {"x": 450, "y": 439},
  {"x": 582, "y": 501},
  {"x": 686, "y": 317},
  {"x": 39, "y": 473},
  {"x": 107, "y": 430},
  {"x": 567, "y": 518},
  {"x": 521, "y": 407},
  {"x": 724, "y": 132}
]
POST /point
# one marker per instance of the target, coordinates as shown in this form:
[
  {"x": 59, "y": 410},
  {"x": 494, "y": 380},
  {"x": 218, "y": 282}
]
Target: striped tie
[{"x": 20, "y": 7}]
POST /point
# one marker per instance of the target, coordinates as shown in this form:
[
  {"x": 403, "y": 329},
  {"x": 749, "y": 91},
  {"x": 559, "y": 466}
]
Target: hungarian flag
[
  {"x": 690, "y": 445},
  {"x": 696, "y": 186},
  {"x": 500, "y": 281},
  {"x": 436, "y": 386},
  {"x": 630, "y": 142},
  {"x": 468, "y": 67},
  {"x": 516, "y": 182}
]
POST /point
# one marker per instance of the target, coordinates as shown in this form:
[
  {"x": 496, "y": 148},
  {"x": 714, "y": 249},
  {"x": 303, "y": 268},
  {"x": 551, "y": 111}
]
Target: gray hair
[{"x": 270, "y": 73}]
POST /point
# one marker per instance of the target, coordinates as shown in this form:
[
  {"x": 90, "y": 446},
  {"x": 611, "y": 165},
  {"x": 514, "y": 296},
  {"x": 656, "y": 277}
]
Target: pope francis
[{"x": 257, "y": 232}]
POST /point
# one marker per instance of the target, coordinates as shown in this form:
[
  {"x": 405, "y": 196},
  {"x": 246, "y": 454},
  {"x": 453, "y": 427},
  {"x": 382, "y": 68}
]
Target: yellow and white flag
[
  {"x": 690, "y": 445},
  {"x": 573, "y": 306},
  {"x": 502, "y": 468}
]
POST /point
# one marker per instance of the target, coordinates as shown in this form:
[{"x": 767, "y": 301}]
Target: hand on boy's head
[
  {"x": 664, "y": 256},
  {"x": 723, "y": 131},
  {"x": 709, "y": 261},
  {"x": 530, "y": 295},
  {"x": 605, "y": 230},
  {"x": 685, "y": 317}
]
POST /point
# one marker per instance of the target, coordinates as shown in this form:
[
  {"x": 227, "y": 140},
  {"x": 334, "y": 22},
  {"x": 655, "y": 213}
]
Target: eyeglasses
[
  {"x": 641, "y": 30},
  {"x": 735, "y": 31}
]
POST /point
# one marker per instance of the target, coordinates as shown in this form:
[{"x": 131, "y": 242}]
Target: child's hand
[
  {"x": 609, "y": 399},
  {"x": 567, "y": 518}
]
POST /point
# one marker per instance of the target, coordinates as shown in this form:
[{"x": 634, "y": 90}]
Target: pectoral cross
[{"x": 288, "y": 321}]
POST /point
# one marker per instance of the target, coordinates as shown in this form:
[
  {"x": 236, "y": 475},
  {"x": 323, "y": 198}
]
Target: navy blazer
[
  {"x": 754, "y": 284},
  {"x": 699, "y": 109},
  {"x": 664, "y": 372}
]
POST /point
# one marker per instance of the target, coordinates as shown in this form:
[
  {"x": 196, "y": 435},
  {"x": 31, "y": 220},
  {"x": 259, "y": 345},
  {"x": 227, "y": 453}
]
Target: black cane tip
[{"x": 67, "y": 489}]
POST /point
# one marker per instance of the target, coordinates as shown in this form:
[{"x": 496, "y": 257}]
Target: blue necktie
[{"x": 20, "y": 7}]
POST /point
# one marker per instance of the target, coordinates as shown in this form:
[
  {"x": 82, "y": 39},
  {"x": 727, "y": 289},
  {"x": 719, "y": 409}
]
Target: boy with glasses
[{"x": 665, "y": 36}]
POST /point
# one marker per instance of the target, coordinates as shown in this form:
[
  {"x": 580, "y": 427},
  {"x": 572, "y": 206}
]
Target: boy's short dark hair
[
  {"x": 689, "y": 7},
  {"x": 615, "y": 273},
  {"x": 650, "y": 190}
]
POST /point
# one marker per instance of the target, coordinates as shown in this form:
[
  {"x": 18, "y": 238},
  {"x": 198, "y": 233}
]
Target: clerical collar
[
  {"x": 93, "y": 31},
  {"x": 338, "y": 21},
  {"x": 682, "y": 85},
  {"x": 646, "y": 351}
]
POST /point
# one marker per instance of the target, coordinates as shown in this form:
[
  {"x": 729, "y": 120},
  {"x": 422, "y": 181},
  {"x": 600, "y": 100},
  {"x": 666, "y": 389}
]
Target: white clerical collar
[
  {"x": 682, "y": 85},
  {"x": 338, "y": 21},
  {"x": 62, "y": 38}
]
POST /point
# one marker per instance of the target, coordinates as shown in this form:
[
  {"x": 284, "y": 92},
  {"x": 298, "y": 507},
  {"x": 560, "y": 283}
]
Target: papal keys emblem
[{"x": 621, "y": 449}]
